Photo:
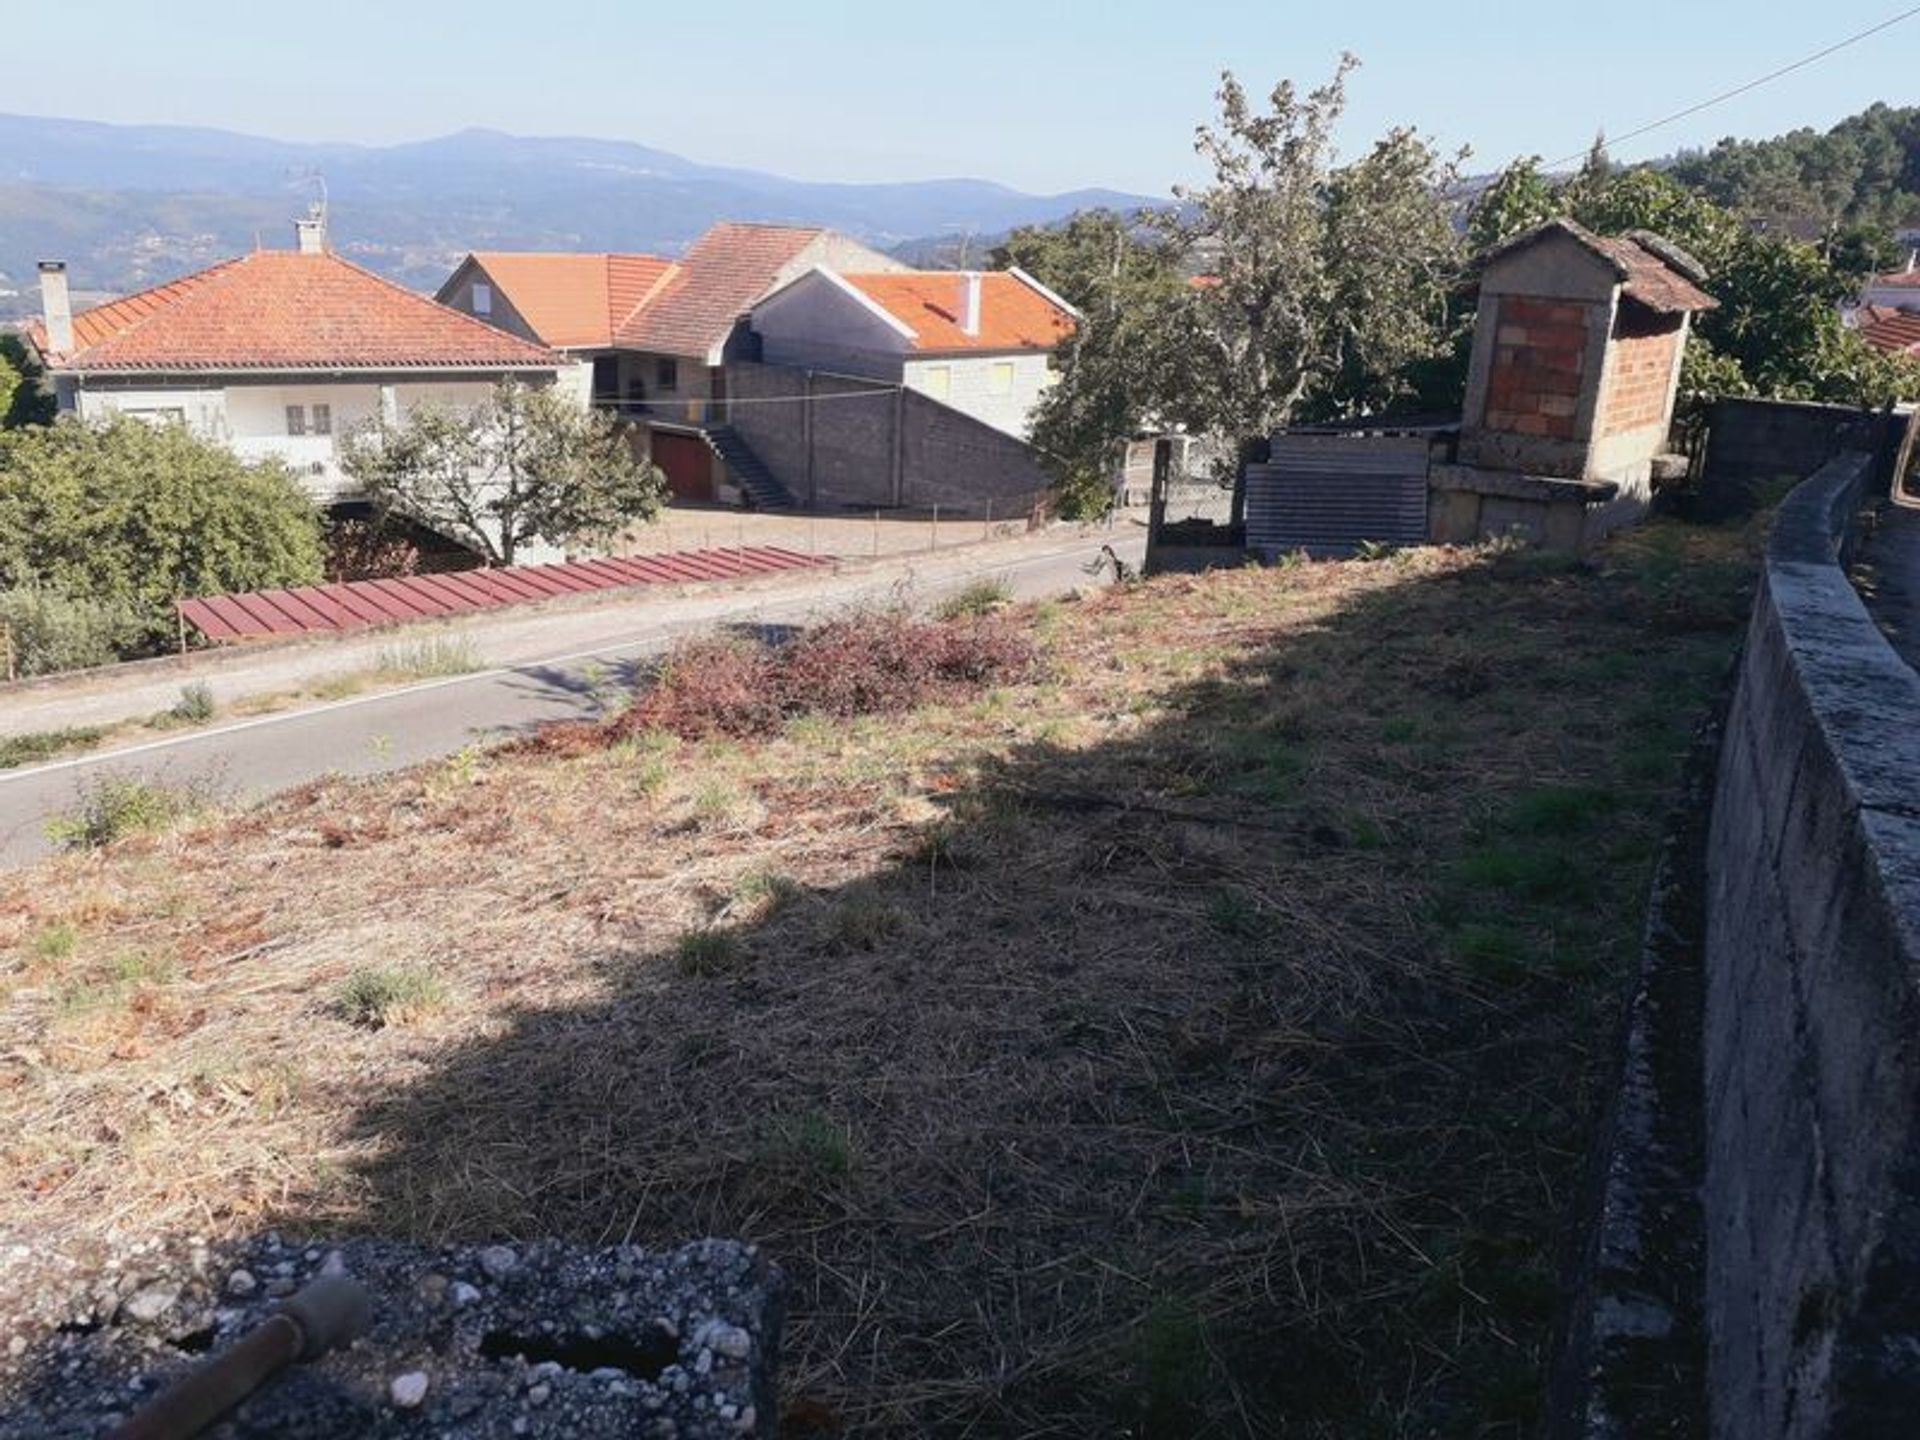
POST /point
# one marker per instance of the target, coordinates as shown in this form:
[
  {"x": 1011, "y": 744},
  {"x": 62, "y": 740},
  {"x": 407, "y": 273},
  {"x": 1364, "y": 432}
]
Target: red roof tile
[
  {"x": 1897, "y": 331},
  {"x": 284, "y": 310},
  {"x": 1651, "y": 270},
  {"x": 357, "y": 603},
  {"x": 713, "y": 285},
  {"x": 1014, "y": 315},
  {"x": 1898, "y": 280},
  {"x": 574, "y": 301}
]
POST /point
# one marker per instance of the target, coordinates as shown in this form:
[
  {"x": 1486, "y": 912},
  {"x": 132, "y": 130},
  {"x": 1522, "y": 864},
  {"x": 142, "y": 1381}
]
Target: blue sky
[{"x": 1050, "y": 95}]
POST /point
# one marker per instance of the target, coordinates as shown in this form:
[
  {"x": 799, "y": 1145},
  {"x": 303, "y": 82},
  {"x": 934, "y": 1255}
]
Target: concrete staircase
[{"x": 761, "y": 487}]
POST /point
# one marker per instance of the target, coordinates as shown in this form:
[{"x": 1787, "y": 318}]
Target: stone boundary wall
[{"x": 1812, "y": 1027}]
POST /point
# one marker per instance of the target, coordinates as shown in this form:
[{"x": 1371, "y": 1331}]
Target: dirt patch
[{"x": 1200, "y": 1039}]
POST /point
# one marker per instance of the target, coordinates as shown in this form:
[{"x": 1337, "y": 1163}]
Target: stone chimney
[
  {"x": 970, "y": 302},
  {"x": 312, "y": 233},
  {"x": 56, "y": 309}
]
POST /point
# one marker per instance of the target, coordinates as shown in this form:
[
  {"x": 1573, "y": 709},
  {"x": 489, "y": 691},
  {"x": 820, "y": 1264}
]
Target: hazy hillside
[{"x": 127, "y": 206}]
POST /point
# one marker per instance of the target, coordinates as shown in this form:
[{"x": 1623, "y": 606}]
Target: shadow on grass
[{"x": 1226, "y": 1072}]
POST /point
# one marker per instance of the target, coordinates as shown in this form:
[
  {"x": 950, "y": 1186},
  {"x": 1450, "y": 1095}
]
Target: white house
[
  {"x": 981, "y": 343},
  {"x": 1897, "y": 289},
  {"x": 278, "y": 353}
]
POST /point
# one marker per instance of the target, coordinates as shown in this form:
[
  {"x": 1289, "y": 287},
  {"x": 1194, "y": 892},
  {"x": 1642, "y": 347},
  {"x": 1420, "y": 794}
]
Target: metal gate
[{"x": 1331, "y": 494}]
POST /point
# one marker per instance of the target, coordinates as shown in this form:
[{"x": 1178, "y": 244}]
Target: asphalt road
[{"x": 247, "y": 760}]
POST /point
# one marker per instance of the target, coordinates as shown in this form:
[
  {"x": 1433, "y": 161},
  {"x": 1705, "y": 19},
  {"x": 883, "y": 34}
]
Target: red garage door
[{"x": 687, "y": 462}]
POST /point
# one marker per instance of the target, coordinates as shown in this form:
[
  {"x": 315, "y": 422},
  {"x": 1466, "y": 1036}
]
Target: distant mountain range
[{"x": 132, "y": 205}]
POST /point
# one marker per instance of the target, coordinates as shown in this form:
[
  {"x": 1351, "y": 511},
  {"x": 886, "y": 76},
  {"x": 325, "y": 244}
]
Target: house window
[
  {"x": 938, "y": 381},
  {"x": 482, "y": 299},
  {"x": 323, "y": 419},
  {"x": 296, "y": 419},
  {"x": 1000, "y": 378},
  {"x": 666, "y": 374}
]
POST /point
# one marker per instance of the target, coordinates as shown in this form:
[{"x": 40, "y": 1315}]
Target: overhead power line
[{"x": 1739, "y": 90}]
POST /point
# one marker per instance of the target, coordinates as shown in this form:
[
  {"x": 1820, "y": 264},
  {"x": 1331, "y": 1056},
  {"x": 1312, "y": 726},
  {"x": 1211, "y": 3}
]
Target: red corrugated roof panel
[{"x": 355, "y": 604}]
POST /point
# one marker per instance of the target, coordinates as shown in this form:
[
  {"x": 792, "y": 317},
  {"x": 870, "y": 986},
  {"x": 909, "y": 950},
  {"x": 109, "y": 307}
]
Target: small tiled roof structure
[
  {"x": 280, "y": 310},
  {"x": 1652, "y": 271},
  {"x": 1016, "y": 311},
  {"x": 1888, "y": 329},
  {"x": 574, "y": 301},
  {"x": 713, "y": 285}
]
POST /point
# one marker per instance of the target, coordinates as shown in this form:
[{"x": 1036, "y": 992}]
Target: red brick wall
[
  {"x": 1645, "y": 350},
  {"x": 1533, "y": 387}
]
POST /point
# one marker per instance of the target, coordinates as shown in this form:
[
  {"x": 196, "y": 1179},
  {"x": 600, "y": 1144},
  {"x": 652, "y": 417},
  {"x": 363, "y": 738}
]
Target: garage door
[{"x": 688, "y": 464}]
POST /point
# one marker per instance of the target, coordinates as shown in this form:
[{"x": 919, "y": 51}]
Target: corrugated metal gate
[{"x": 1329, "y": 494}]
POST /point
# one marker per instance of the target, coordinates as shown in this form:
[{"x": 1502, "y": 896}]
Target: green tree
[
  {"x": 526, "y": 466},
  {"x": 129, "y": 514},
  {"x": 1098, "y": 260},
  {"x": 1329, "y": 283},
  {"x": 24, "y": 399},
  {"x": 1124, "y": 276},
  {"x": 1520, "y": 199}
]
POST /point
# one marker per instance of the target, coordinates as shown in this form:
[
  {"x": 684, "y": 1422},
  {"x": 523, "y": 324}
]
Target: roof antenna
[{"x": 312, "y": 230}]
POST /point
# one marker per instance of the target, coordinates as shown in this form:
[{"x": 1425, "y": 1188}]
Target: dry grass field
[{"x": 1203, "y": 1038}]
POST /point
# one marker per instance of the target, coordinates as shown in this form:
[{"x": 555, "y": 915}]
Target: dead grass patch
[{"x": 1203, "y": 1039}]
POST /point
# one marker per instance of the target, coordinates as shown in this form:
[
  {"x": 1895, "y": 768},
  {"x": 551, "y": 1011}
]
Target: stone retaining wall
[{"x": 1812, "y": 1028}]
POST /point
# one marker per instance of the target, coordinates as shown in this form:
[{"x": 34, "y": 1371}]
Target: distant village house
[{"x": 277, "y": 354}]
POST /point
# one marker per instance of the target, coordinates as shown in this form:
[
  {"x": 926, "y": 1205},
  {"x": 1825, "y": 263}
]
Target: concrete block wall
[
  {"x": 839, "y": 442},
  {"x": 1812, "y": 1028},
  {"x": 1752, "y": 444}
]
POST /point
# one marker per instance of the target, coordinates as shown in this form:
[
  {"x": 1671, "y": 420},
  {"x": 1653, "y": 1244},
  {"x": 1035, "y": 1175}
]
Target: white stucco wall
[
  {"x": 250, "y": 418},
  {"x": 970, "y": 385},
  {"x": 1899, "y": 297},
  {"x": 814, "y": 324}
]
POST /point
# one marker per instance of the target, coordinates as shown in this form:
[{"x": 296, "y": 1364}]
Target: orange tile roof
[
  {"x": 713, "y": 285},
  {"x": 283, "y": 310},
  {"x": 1898, "y": 331},
  {"x": 1898, "y": 280},
  {"x": 1013, "y": 314},
  {"x": 574, "y": 301}
]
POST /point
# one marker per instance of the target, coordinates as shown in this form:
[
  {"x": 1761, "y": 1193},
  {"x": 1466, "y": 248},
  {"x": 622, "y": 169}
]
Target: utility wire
[{"x": 1738, "y": 90}]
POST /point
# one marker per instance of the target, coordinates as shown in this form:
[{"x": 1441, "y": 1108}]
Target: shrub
[
  {"x": 377, "y": 996},
  {"x": 706, "y": 951},
  {"x": 137, "y": 516},
  {"x": 118, "y": 806},
  {"x": 870, "y": 663},
  {"x": 982, "y": 597},
  {"x": 431, "y": 659},
  {"x": 53, "y": 632},
  {"x": 369, "y": 550},
  {"x": 45, "y": 744},
  {"x": 195, "y": 705},
  {"x": 713, "y": 685}
]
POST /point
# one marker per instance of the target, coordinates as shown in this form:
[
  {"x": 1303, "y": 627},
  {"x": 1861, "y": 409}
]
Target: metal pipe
[{"x": 328, "y": 1314}]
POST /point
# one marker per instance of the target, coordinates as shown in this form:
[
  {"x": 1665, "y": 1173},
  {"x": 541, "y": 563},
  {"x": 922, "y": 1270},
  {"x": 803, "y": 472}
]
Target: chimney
[
  {"x": 312, "y": 233},
  {"x": 970, "y": 302},
  {"x": 55, "y": 308}
]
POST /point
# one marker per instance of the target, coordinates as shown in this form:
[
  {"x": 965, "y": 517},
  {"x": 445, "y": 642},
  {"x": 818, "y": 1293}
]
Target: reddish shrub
[
  {"x": 872, "y": 663},
  {"x": 711, "y": 686}
]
